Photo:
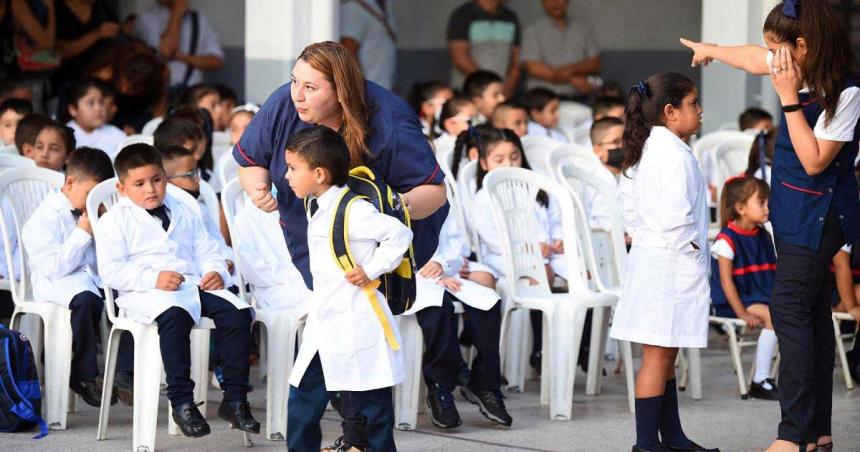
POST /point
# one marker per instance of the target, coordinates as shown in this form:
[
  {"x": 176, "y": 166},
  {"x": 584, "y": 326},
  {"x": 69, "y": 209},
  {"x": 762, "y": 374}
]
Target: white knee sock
[{"x": 764, "y": 355}]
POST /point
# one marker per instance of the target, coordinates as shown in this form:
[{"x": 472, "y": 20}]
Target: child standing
[
  {"x": 88, "y": 115},
  {"x": 155, "y": 251},
  {"x": 363, "y": 358},
  {"x": 743, "y": 266},
  {"x": 62, "y": 260},
  {"x": 666, "y": 298},
  {"x": 543, "y": 105}
]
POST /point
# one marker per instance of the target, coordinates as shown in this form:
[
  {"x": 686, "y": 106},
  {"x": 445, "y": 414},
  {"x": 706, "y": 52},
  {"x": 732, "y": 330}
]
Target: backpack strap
[{"x": 342, "y": 254}]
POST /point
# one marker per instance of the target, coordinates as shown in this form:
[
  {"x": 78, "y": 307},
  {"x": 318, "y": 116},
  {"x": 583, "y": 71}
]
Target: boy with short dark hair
[
  {"x": 11, "y": 113},
  {"x": 608, "y": 107},
  {"x": 154, "y": 249},
  {"x": 363, "y": 360},
  {"x": 62, "y": 260},
  {"x": 543, "y": 105},
  {"x": 755, "y": 119},
  {"x": 511, "y": 115},
  {"x": 485, "y": 90}
]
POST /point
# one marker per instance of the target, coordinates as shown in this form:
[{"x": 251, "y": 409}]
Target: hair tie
[
  {"x": 641, "y": 87},
  {"x": 789, "y": 8}
]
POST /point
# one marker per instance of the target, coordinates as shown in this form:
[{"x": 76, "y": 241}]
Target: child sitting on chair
[
  {"x": 168, "y": 270},
  {"x": 743, "y": 267}
]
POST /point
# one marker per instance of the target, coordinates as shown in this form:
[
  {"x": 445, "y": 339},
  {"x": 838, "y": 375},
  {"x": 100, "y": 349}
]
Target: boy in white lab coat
[
  {"x": 59, "y": 245},
  {"x": 346, "y": 346},
  {"x": 155, "y": 251}
]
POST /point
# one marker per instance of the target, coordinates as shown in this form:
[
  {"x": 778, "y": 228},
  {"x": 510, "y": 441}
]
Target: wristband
[{"x": 791, "y": 108}]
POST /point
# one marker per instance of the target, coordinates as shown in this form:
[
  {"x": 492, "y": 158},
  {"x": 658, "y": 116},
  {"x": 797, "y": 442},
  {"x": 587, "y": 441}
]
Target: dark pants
[
  {"x": 800, "y": 309},
  {"x": 307, "y": 404},
  {"x": 86, "y": 314},
  {"x": 442, "y": 357},
  {"x": 174, "y": 329}
]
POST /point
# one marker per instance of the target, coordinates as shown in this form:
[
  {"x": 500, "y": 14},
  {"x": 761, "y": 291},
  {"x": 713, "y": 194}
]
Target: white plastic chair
[
  {"x": 610, "y": 253},
  {"x": 573, "y": 114},
  {"x": 407, "y": 395},
  {"x": 731, "y": 155},
  {"x": 578, "y": 155},
  {"x": 537, "y": 150},
  {"x": 134, "y": 139},
  {"x": 279, "y": 329},
  {"x": 151, "y": 125},
  {"x": 838, "y": 318},
  {"x": 738, "y": 338},
  {"x": 220, "y": 144},
  {"x": 24, "y": 189},
  {"x": 147, "y": 349},
  {"x": 226, "y": 168},
  {"x": 512, "y": 192},
  {"x": 15, "y": 161}
]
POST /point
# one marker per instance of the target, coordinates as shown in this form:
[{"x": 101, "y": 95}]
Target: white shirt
[
  {"x": 107, "y": 138},
  {"x": 133, "y": 249},
  {"x": 357, "y": 357},
  {"x": 61, "y": 256},
  {"x": 265, "y": 262},
  {"x": 377, "y": 52},
  {"x": 538, "y": 130},
  {"x": 151, "y": 25},
  {"x": 13, "y": 242}
]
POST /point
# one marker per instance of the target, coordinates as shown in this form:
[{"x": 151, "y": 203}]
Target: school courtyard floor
[{"x": 600, "y": 423}]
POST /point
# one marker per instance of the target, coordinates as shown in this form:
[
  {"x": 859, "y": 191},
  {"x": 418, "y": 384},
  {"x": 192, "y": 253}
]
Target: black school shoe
[
  {"x": 191, "y": 423},
  {"x": 342, "y": 445},
  {"x": 694, "y": 448},
  {"x": 238, "y": 414},
  {"x": 659, "y": 447},
  {"x": 490, "y": 404},
  {"x": 443, "y": 411},
  {"x": 123, "y": 387},
  {"x": 90, "y": 392},
  {"x": 766, "y": 390}
]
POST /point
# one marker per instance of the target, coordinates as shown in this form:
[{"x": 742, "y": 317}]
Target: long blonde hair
[{"x": 340, "y": 67}]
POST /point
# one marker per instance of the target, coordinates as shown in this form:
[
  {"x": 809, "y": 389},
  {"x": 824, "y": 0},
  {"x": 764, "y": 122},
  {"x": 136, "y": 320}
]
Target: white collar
[
  {"x": 328, "y": 198},
  {"x": 662, "y": 132}
]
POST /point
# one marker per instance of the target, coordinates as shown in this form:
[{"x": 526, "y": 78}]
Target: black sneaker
[
  {"x": 490, "y": 403},
  {"x": 443, "y": 411},
  {"x": 123, "y": 387},
  {"x": 766, "y": 390},
  {"x": 89, "y": 391},
  {"x": 191, "y": 423},
  {"x": 535, "y": 361}
]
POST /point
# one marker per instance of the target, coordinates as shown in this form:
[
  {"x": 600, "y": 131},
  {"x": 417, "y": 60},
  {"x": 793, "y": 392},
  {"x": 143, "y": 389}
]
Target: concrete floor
[{"x": 601, "y": 423}]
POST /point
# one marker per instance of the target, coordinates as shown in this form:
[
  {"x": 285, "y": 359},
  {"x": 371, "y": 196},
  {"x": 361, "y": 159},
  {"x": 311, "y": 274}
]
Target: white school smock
[
  {"x": 537, "y": 130},
  {"x": 61, "y": 256},
  {"x": 451, "y": 254},
  {"x": 266, "y": 264},
  {"x": 341, "y": 325},
  {"x": 666, "y": 293},
  {"x": 134, "y": 248},
  {"x": 107, "y": 138},
  {"x": 214, "y": 229}
]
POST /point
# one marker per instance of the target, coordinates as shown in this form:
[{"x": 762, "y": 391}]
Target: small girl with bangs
[
  {"x": 743, "y": 267},
  {"x": 87, "y": 115}
]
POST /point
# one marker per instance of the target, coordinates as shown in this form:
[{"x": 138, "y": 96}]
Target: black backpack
[{"x": 21, "y": 396}]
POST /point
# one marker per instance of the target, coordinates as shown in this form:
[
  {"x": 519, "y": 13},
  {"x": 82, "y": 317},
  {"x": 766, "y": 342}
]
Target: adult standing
[
  {"x": 484, "y": 34},
  {"x": 559, "y": 53},
  {"x": 182, "y": 36},
  {"x": 83, "y": 27},
  {"x": 814, "y": 203},
  {"x": 368, "y": 30},
  {"x": 381, "y": 131}
]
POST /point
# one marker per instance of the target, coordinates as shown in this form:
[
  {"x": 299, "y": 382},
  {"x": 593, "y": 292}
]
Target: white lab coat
[
  {"x": 133, "y": 249},
  {"x": 666, "y": 295},
  {"x": 450, "y": 254},
  {"x": 266, "y": 264},
  {"x": 548, "y": 224},
  {"x": 107, "y": 138},
  {"x": 214, "y": 229},
  {"x": 61, "y": 256},
  {"x": 341, "y": 325}
]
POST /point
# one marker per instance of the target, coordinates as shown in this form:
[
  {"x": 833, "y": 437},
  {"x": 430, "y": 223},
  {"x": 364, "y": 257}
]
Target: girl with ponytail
[
  {"x": 814, "y": 208},
  {"x": 666, "y": 298}
]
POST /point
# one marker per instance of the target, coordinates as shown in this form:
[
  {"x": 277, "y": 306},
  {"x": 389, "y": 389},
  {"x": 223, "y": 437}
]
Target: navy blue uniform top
[
  {"x": 753, "y": 266},
  {"x": 799, "y": 203},
  {"x": 400, "y": 156}
]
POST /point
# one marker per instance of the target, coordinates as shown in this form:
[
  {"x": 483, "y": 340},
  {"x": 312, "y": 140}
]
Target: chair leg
[
  {"x": 517, "y": 347},
  {"x": 840, "y": 353},
  {"x": 564, "y": 343},
  {"x": 627, "y": 357},
  {"x": 147, "y": 383},
  {"x": 407, "y": 395},
  {"x": 58, "y": 367},
  {"x": 547, "y": 364},
  {"x": 695, "y": 373},
  {"x": 735, "y": 350},
  {"x": 281, "y": 339},
  {"x": 107, "y": 385}
]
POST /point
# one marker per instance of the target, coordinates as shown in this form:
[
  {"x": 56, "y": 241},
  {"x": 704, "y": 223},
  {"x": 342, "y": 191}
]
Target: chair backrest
[
  {"x": 610, "y": 250},
  {"x": 233, "y": 199},
  {"x": 537, "y": 149},
  {"x": 22, "y": 190},
  {"x": 226, "y": 168},
  {"x": 220, "y": 144},
  {"x": 134, "y": 139},
  {"x": 578, "y": 155},
  {"x": 731, "y": 155},
  {"x": 512, "y": 193},
  {"x": 15, "y": 161},
  {"x": 210, "y": 200},
  {"x": 465, "y": 185},
  {"x": 573, "y": 114},
  {"x": 104, "y": 194},
  {"x": 151, "y": 125}
]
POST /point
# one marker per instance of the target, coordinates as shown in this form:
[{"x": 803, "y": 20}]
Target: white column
[
  {"x": 726, "y": 91},
  {"x": 276, "y": 31}
]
